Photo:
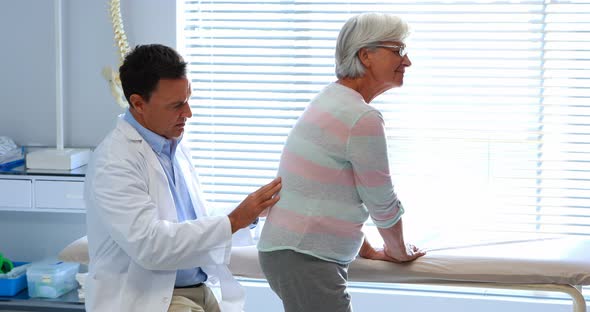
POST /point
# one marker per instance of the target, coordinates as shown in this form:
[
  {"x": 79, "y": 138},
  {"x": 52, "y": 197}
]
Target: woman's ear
[{"x": 365, "y": 57}]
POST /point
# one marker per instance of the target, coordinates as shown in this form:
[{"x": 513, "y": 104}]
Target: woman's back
[{"x": 330, "y": 168}]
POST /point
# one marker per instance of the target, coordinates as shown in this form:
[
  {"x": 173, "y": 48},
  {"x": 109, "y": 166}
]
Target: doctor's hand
[{"x": 251, "y": 207}]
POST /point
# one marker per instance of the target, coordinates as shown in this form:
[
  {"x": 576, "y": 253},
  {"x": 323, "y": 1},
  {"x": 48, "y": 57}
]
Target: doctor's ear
[{"x": 137, "y": 102}]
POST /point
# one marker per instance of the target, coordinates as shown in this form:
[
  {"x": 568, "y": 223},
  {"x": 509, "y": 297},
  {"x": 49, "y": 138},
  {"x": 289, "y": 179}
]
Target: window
[{"x": 491, "y": 129}]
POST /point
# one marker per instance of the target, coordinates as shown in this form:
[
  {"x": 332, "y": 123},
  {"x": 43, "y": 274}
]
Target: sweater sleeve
[{"x": 367, "y": 152}]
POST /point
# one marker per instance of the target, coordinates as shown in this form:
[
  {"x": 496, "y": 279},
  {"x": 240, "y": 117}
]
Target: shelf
[{"x": 42, "y": 190}]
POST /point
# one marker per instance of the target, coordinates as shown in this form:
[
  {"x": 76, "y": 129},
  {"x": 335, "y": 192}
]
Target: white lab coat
[{"x": 135, "y": 244}]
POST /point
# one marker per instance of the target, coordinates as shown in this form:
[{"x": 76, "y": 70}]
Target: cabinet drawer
[
  {"x": 59, "y": 194},
  {"x": 15, "y": 193}
]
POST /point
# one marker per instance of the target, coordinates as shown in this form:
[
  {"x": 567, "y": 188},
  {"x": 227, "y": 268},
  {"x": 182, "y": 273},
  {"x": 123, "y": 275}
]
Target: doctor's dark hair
[{"x": 145, "y": 65}]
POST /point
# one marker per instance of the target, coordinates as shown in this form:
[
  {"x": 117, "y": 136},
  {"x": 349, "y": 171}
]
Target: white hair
[{"x": 365, "y": 30}]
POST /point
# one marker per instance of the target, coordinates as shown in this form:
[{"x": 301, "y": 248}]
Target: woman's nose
[{"x": 406, "y": 61}]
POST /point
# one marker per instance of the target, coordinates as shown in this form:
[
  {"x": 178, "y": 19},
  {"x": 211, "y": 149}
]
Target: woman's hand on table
[{"x": 410, "y": 253}]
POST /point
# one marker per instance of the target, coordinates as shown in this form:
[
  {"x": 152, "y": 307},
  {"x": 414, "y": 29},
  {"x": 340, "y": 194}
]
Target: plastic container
[
  {"x": 12, "y": 286},
  {"x": 51, "y": 278}
]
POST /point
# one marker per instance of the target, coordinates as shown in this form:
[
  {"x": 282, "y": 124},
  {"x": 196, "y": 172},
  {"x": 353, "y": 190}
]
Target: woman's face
[{"x": 389, "y": 64}]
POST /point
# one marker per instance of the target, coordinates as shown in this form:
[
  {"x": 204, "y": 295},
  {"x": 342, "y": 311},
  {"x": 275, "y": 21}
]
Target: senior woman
[{"x": 335, "y": 174}]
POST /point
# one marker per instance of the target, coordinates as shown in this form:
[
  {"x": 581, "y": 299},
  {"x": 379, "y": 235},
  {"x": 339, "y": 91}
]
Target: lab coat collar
[{"x": 128, "y": 131}]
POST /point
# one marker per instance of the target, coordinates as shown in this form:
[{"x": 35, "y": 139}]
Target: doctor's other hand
[
  {"x": 410, "y": 253},
  {"x": 251, "y": 207}
]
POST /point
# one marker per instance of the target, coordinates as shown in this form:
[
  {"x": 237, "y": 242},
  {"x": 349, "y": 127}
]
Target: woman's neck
[{"x": 361, "y": 86}]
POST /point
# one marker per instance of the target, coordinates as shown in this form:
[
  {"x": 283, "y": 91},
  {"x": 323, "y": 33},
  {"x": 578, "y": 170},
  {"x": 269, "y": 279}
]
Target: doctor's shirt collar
[{"x": 157, "y": 142}]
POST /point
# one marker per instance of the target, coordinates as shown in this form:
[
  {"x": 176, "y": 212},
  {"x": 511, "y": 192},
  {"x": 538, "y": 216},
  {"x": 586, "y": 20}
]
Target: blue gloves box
[{"x": 12, "y": 285}]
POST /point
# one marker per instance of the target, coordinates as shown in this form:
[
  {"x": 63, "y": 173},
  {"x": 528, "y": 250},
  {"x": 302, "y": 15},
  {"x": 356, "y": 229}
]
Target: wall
[
  {"x": 27, "y": 81},
  {"x": 32, "y": 236}
]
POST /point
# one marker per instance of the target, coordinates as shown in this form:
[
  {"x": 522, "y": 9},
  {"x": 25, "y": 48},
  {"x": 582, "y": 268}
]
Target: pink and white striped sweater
[{"x": 335, "y": 174}]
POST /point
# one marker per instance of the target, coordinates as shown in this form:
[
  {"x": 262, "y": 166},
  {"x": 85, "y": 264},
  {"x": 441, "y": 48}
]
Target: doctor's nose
[{"x": 187, "y": 112}]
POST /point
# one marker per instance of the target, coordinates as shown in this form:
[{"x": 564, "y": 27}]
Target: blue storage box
[
  {"x": 51, "y": 278},
  {"x": 12, "y": 286}
]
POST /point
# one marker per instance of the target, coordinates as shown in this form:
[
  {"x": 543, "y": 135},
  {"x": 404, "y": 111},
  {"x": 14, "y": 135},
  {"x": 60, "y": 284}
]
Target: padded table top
[{"x": 543, "y": 261}]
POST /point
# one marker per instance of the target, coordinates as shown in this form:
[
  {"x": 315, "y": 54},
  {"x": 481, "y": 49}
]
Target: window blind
[{"x": 491, "y": 129}]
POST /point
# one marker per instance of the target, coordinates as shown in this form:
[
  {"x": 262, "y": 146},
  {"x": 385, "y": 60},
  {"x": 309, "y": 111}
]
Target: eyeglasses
[{"x": 400, "y": 49}]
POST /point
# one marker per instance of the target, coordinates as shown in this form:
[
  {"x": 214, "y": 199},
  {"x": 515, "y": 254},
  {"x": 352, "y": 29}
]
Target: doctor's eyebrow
[{"x": 180, "y": 103}]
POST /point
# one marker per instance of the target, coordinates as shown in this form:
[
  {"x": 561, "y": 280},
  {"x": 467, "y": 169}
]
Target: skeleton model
[{"x": 110, "y": 74}]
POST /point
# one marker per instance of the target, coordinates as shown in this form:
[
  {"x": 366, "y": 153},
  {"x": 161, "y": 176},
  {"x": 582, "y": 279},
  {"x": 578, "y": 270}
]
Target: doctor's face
[{"x": 168, "y": 108}]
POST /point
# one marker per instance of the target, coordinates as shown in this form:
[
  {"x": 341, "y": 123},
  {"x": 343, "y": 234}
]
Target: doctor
[{"x": 152, "y": 245}]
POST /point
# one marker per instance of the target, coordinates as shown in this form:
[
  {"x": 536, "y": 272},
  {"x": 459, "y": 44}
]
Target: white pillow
[{"x": 76, "y": 251}]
